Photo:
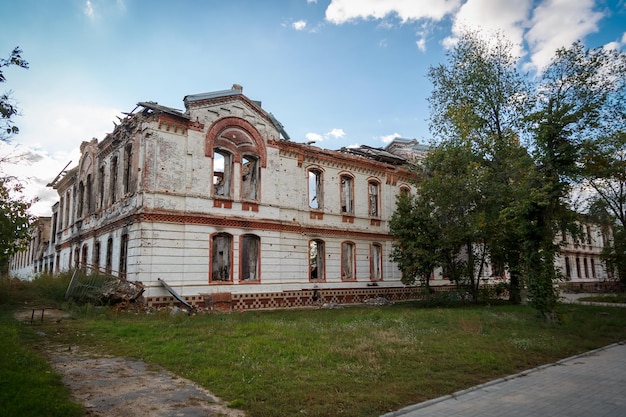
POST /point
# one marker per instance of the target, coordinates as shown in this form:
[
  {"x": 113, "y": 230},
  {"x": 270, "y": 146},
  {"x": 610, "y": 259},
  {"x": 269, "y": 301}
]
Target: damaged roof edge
[{"x": 157, "y": 107}]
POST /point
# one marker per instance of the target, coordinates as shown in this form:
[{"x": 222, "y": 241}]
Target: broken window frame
[
  {"x": 221, "y": 271},
  {"x": 113, "y": 180},
  {"x": 373, "y": 198},
  {"x": 88, "y": 196},
  {"x": 123, "y": 256},
  {"x": 101, "y": 187},
  {"x": 128, "y": 164},
  {"x": 96, "y": 255},
  {"x": 348, "y": 261},
  {"x": 222, "y": 188},
  {"x": 376, "y": 262},
  {"x": 249, "y": 258},
  {"x": 250, "y": 177},
  {"x": 109, "y": 256},
  {"x": 315, "y": 182},
  {"x": 346, "y": 190},
  {"x": 317, "y": 260},
  {"x": 80, "y": 200}
]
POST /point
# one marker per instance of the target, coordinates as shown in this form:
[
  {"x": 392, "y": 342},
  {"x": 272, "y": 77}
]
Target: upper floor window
[
  {"x": 374, "y": 198},
  {"x": 101, "y": 187},
  {"x": 88, "y": 197},
  {"x": 113, "y": 179},
  {"x": 221, "y": 254},
  {"x": 316, "y": 260},
  {"x": 128, "y": 163},
  {"x": 249, "y": 177},
  {"x": 315, "y": 189},
  {"x": 81, "y": 196},
  {"x": 250, "y": 258},
  {"x": 347, "y": 194},
  {"x": 222, "y": 173}
]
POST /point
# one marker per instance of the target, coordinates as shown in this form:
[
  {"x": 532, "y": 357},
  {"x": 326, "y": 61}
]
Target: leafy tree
[
  {"x": 15, "y": 220},
  {"x": 509, "y": 154},
  {"x": 478, "y": 105},
  {"x": 8, "y": 109}
]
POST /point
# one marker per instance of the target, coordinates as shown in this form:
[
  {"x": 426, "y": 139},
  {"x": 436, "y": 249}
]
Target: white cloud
[
  {"x": 342, "y": 11},
  {"x": 299, "y": 25},
  {"x": 311, "y": 1},
  {"x": 316, "y": 137},
  {"x": 616, "y": 44},
  {"x": 336, "y": 133},
  {"x": 509, "y": 18},
  {"x": 421, "y": 44},
  {"x": 88, "y": 9},
  {"x": 559, "y": 23},
  {"x": 389, "y": 138}
]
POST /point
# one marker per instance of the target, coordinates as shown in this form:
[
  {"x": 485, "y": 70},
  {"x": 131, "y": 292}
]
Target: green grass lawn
[{"x": 357, "y": 361}]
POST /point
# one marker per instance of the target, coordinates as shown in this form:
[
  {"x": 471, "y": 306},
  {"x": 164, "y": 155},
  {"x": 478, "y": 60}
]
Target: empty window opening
[
  {"x": 222, "y": 173},
  {"x": 221, "y": 255},
  {"x": 586, "y": 266},
  {"x": 347, "y": 261},
  {"x": 347, "y": 194},
  {"x": 81, "y": 196},
  {"x": 315, "y": 189},
  {"x": 88, "y": 199},
  {"x": 593, "y": 268},
  {"x": 374, "y": 200},
  {"x": 376, "y": 260},
  {"x": 128, "y": 164},
  {"x": 101, "y": 187},
  {"x": 250, "y": 258},
  {"x": 316, "y": 260},
  {"x": 96, "y": 255},
  {"x": 85, "y": 252},
  {"x": 249, "y": 178},
  {"x": 578, "y": 268},
  {"x": 568, "y": 269},
  {"x": 113, "y": 185},
  {"x": 109, "y": 256},
  {"x": 123, "y": 255}
]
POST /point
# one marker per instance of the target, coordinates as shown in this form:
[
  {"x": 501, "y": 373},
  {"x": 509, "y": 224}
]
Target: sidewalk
[{"x": 591, "y": 384}]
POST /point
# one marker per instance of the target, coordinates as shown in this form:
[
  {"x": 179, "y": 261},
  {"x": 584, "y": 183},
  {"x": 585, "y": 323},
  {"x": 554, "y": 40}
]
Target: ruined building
[{"x": 220, "y": 204}]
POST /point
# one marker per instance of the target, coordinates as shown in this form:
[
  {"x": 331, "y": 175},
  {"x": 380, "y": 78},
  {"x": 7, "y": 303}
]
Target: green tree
[
  {"x": 15, "y": 220},
  {"x": 478, "y": 104},
  {"x": 8, "y": 109}
]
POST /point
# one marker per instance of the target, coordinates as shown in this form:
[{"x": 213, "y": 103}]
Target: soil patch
[{"x": 119, "y": 387}]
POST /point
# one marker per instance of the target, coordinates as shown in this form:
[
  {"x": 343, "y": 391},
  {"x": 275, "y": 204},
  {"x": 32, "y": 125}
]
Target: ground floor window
[
  {"x": 376, "y": 259},
  {"x": 221, "y": 249},
  {"x": 316, "y": 260},
  {"x": 347, "y": 261},
  {"x": 249, "y": 258}
]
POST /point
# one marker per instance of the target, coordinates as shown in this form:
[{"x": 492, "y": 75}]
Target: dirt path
[{"x": 118, "y": 387}]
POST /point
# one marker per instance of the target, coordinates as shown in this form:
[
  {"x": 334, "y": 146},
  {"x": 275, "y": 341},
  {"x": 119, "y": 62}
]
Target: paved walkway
[{"x": 591, "y": 384}]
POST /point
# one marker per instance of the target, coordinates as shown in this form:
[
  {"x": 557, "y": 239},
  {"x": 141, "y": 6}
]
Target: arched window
[
  {"x": 373, "y": 188},
  {"x": 81, "y": 197},
  {"x": 88, "y": 198},
  {"x": 347, "y": 194},
  {"x": 128, "y": 164},
  {"x": 249, "y": 258},
  {"x": 316, "y": 260},
  {"x": 249, "y": 177},
  {"x": 222, "y": 173},
  {"x": 376, "y": 262},
  {"x": 316, "y": 190},
  {"x": 113, "y": 180},
  {"x": 221, "y": 255},
  {"x": 347, "y": 262}
]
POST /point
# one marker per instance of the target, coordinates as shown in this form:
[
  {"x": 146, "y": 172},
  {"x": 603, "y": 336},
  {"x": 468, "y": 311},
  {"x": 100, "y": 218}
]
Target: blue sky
[{"x": 341, "y": 72}]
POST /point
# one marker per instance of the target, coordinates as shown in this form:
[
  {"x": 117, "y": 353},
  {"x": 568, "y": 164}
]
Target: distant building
[{"x": 36, "y": 258}]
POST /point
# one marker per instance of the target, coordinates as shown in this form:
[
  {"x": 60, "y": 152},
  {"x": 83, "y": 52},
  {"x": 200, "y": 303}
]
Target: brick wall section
[{"x": 290, "y": 299}]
